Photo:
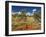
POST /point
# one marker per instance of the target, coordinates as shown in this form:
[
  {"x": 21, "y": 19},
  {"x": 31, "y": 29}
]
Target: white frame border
[{"x": 24, "y": 32}]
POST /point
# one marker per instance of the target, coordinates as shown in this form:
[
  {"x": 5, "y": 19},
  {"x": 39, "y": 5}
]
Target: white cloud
[
  {"x": 19, "y": 12},
  {"x": 34, "y": 10},
  {"x": 28, "y": 13}
]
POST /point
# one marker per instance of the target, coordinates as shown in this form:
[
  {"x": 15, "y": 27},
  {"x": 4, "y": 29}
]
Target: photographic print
[{"x": 25, "y": 18}]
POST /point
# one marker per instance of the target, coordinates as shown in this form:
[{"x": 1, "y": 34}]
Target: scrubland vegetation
[{"x": 25, "y": 22}]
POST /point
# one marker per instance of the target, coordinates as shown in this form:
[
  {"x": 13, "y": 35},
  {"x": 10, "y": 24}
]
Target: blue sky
[{"x": 26, "y": 8}]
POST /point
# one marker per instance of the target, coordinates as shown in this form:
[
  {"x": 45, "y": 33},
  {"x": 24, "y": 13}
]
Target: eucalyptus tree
[
  {"x": 23, "y": 15},
  {"x": 37, "y": 16}
]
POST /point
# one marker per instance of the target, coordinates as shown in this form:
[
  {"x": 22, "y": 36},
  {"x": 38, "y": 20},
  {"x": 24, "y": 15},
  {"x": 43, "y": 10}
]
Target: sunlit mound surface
[{"x": 25, "y": 24}]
